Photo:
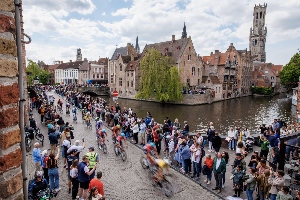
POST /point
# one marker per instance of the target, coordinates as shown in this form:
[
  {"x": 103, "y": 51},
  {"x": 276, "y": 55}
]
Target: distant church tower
[
  {"x": 79, "y": 55},
  {"x": 184, "y": 33},
  {"x": 137, "y": 47},
  {"x": 258, "y": 34}
]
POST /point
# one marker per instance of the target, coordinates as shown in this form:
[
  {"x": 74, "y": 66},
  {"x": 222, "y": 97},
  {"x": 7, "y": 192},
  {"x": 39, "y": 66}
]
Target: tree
[
  {"x": 33, "y": 70},
  {"x": 289, "y": 76},
  {"x": 159, "y": 79},
  {"x": 44, "y": 76}
]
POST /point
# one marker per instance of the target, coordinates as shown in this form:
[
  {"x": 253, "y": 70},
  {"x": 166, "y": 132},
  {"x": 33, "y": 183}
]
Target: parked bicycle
[
  {"x": 27, "y": 141},
  {"x": 39, "y": 136}
]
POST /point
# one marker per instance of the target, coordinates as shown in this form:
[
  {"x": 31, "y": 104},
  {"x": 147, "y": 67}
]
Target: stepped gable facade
[{"x": 184, "y": 55}]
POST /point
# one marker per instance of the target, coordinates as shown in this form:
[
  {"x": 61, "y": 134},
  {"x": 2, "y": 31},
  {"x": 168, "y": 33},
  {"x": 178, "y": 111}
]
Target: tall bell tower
[{"x": 258, "y": 34}]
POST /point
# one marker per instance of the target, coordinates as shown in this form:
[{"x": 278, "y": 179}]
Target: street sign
[
  {"x": 115, "y": 93},
  {"x": 115, "y": 98}
]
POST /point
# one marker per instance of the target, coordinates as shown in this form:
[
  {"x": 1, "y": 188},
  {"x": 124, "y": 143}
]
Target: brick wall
[{"x": 10, "y": 152}]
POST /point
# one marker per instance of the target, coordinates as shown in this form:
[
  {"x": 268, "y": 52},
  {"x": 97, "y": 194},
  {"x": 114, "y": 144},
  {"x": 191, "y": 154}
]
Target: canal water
[{"x": 247, "y": 111}]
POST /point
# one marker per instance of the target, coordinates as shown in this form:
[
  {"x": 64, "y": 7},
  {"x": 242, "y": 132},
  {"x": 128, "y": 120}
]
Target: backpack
[
  {"x": 205, "y": 170},
  {"x": 39, "y": 110},
  {"x": 202, "y": 152}
]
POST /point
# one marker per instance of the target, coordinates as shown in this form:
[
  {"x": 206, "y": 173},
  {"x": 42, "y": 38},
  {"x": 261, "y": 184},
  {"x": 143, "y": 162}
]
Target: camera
[{"x": 245, "y": 177}]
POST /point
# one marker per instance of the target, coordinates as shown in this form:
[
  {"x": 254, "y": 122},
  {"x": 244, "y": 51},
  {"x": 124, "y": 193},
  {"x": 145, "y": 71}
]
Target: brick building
[
  {"x": 267, "y": 75},
  {"x": 184, "y": 55},
  {"x": 99, "y": 71},
  {"x": 10, "y": 137},
  {"x": 117, "y": 65},
  {"x": 233, "y": 69}
]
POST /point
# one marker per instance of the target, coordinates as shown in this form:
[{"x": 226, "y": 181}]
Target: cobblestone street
[{"x": 122, "y": 180}]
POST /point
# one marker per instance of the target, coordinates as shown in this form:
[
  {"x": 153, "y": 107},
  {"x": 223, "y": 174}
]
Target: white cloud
[{"x": 211, "y": 24}]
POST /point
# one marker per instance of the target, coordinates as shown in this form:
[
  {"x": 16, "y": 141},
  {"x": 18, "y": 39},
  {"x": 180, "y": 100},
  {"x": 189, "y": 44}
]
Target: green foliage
[
  {"x": 159, "y": 79},
  {"x": 289, "y": 76},
  {"x": 262, "y": 90},
  {"x": 44, "y": 76},
  {"x": 33, "y": 70}
]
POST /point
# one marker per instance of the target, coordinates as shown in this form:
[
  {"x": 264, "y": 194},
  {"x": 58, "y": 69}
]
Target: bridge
[{"x": 96, "y": 91}]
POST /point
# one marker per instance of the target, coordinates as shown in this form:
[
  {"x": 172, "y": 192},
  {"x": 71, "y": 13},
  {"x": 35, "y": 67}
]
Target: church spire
[
  {"x": 184, "y": 33},
  {"x": 137, "y": 47}
]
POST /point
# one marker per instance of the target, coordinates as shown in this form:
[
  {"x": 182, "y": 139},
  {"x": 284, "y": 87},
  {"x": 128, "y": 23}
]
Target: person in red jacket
[
  {"x": 96, "y": 182},
  {"x": 209, "y": 162}
]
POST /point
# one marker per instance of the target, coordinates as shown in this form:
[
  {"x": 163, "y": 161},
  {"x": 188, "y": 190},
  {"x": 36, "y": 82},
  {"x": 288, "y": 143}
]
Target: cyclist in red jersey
[
  {"x": 115, "y": 131},
  {"x": 147, "y": 150},
  {"x": 119, "y": 142},
  {"x": 101, "y": 136}
]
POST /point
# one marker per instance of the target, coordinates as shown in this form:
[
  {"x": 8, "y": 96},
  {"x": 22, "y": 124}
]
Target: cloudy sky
[{"x": 59, "y": 27}]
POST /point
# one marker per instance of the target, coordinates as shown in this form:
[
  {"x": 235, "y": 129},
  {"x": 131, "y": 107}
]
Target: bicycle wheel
[
  {"x": 27, "y": 143},
  {"x": 144, "y": 162},
  {"x": 123, "y": 155},
  {"x": 116, "y": 150},
  {"x": 167, "y": 188},
  {"x": 104, "y": 148}
]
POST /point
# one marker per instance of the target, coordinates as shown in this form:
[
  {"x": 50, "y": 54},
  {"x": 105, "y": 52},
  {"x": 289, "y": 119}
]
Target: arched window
[
  {"x": 255, "y": 41},
  {"x": 260, "y": 15},
  {"x": 257, "y": 15}
]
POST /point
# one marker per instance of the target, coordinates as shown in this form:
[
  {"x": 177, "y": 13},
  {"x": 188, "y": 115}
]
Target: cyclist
[
  {"x": 161, "y": 165},
  {"x": 119, "y": 142},
  {"x": 87, "y": 118},
  {"x": 101, "y": 137},
  {"x": 74, "y": 111},
  {"x": 99, "y": 124},
  {"x": 147, "y": 150},
  {"x": 115, "y": 131},
  {"x": 67, "y": 108},
  {"x": 38, "y": 184}
]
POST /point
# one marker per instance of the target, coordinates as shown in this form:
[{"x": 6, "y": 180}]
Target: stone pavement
[{"x": 122, "y": 180}]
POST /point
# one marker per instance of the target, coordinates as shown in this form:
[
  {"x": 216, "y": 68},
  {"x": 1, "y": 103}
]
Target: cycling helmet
[
  {"x": 103, "y": 130},
  {"x": 96, "y": 118},
  {"x": 39, "y": 174},
  {"x": 152, "y": 144},
  {"x": 118, "y": 126},
  {"x": 50, "y": 126},
  {"x": 123, "y": 134},
  {"x": 168, "y": 137}
]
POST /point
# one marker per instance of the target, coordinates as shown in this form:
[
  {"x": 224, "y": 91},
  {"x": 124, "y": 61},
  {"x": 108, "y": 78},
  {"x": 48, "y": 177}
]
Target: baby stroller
[{"x": 249, "y": 144}]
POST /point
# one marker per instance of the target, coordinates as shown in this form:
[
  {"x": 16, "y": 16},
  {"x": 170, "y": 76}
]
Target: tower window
[
  {"x": 257, "y": 15},
  {"x": 260, "y": 14},
  {"x": 255, "y": 42}
]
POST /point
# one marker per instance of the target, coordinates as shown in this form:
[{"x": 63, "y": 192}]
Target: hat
[
  {"x": 92, "y": 148},
  {"x": 238, "y": 154}
]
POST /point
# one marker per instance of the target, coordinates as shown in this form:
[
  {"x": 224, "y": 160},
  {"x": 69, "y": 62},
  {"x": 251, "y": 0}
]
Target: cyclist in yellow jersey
[{"x": 161, "y": 165}]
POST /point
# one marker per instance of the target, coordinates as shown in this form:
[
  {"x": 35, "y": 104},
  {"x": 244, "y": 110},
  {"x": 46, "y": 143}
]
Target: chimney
[
  {"x": 173, "y": 38},
  {"x": 231, "y": 44},
  {"x": 70, "y": 61},
  {"x": 216, "y": 51},
  {"x": 85, "y": 59},
  {"x": 61, "y": 62}
]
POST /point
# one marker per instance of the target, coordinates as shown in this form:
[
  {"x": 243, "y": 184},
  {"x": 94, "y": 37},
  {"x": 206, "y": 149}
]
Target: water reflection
[{"x": 247, "y": 111}]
